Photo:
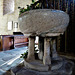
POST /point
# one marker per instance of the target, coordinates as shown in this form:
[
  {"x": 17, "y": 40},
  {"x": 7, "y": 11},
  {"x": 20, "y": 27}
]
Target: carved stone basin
[
  {"x": 46, "y": 22},
  {"x": 43, "y": 21}
]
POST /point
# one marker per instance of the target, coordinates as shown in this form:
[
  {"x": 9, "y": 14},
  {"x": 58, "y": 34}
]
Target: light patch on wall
[
  {"x": 16, "y": 26},
  {"x": 10, "y": 25},
  {"x": 8, "y": 6}
]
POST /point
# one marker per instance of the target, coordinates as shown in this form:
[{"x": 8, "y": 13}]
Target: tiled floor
[{"x": 10, "y": 58}]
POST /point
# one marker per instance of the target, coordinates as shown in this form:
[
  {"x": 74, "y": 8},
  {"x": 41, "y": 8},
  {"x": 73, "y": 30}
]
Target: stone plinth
[
  {"x": 65, "y": 69},
  {"x": 36, "y": 65}
]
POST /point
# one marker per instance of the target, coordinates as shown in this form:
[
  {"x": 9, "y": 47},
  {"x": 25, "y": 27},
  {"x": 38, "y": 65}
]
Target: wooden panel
[
  {"x": 20, "y": 41},
  {"x": 67, "y": 40},
  {"x": 0, "y": 43},
  {"x": 7, "y": 43}
]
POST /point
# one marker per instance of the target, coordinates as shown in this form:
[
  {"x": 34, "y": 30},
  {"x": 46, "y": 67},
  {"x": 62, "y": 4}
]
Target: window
[{"x": 8, "y": 6}]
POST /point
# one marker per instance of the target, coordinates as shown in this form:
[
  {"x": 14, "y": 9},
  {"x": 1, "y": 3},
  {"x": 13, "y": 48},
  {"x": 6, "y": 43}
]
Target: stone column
[
  {"x": 31, "y": 48},
  {"x": 41, "y": 48},
  {"x": 54, "y": 52},
  {"x": 46, "y": 58}
]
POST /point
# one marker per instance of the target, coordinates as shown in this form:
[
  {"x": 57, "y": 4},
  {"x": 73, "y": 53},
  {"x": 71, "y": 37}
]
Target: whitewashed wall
[{"x": 4, "y": 19}]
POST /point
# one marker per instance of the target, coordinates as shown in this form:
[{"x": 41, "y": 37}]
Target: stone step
[
  {"x": 65, "y": 69},
  {"x": 10, "y": 58},
  {"x": 11, "y": 63}
]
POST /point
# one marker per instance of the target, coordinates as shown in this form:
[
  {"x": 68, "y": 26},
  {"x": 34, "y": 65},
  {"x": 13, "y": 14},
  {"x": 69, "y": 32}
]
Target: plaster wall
[{"x": 4, "y": 19}]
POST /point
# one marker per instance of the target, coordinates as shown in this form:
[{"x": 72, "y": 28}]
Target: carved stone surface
[{"x": 43, "y": 21}]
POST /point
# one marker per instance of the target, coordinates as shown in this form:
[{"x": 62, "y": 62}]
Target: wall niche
[{"x": 8, "y": 6}]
